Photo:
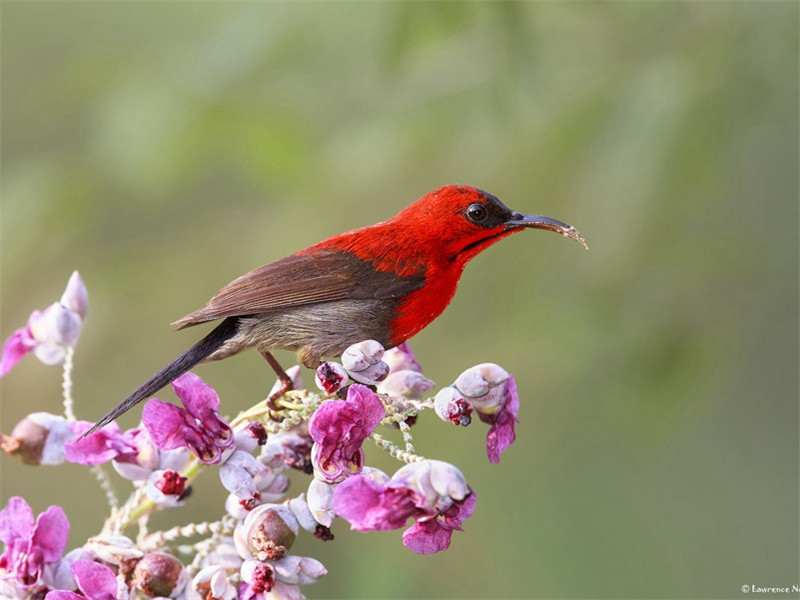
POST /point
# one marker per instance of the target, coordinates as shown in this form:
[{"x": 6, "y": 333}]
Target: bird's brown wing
[{"x": 302, "y": 279}]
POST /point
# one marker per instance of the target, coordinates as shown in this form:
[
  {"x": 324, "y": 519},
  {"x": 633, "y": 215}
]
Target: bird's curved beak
[{"x": 520, "y": 221}]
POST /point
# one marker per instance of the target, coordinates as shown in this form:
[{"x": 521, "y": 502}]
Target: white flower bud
[
  {"x": 482, "y": 385},
  {"x": 372, "y": 374},
  {"x": 438, "y": 482},
  {"x": 302, "y": 512},
  {"x": 360, "y": 356},
  {"x": 406, "y": 384},
  {"x": 57, "y": 324},
  {"x": 115, "y": 550},
  {"x": 299, "y": 570},
  {"x": 75, "y": 296},
  {"x": 238, "y": 473},
  {"x": 448, "y": 480},
  {"x": 211, "y": 583},
  {"x": 38, "y": 439},
  {"x": 320, "y": 501}
]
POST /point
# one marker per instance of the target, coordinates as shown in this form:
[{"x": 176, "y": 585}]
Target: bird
[{"x": 384, "y": 282}]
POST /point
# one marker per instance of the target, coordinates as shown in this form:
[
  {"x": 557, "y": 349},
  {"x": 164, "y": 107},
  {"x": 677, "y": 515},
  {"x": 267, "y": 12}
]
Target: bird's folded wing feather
[{"x": 302, "y": 279}]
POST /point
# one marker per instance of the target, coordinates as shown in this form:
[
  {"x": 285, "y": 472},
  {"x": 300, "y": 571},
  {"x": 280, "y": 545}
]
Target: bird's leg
[{"x": 286, "y": 381}]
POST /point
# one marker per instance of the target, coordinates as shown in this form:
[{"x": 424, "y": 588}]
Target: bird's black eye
[{"x": 477, "y": 212}]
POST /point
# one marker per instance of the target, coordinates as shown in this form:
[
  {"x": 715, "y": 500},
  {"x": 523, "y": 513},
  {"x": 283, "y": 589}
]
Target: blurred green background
[{"x": 165, "y": 148}]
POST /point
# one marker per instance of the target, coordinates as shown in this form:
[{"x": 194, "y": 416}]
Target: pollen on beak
[{"x": 519, "y": 221}]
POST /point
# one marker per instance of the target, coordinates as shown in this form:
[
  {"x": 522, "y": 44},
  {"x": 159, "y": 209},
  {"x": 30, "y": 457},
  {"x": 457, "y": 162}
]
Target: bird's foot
[{"x": 286, "y": 382}]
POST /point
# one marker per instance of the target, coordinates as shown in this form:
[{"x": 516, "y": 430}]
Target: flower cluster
[{"x": 247, "y": 553}]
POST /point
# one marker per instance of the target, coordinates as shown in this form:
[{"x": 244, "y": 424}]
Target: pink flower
[
  {"x": 30, "y": 545},
  {"x": 492, "y": 392},
  {"x": 133, "y": 452},
  {"x": 433, "y": 493},
  {"x": 99, "y": 447},
  {"x": 339, "y": 428},
  {"x": 95, "y": 581},
  {"x": 50, "y": 332},
  {"x": 198, "y": 426}
]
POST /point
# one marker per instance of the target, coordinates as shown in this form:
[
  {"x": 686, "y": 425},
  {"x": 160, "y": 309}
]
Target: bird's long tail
[{"x": 194, "y": 355}]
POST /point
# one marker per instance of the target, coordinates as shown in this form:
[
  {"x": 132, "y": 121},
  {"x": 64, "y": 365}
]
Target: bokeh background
[{"x": 165, "y": 148}]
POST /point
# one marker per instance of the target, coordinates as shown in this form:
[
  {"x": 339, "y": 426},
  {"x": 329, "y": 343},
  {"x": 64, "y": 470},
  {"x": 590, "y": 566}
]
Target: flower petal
[
  {"x": 16, "y": 346},
  {"x": 372, "y": 506},
  {"x": 96, "y": 448},
  {"x": 75, "y": 296},
  {"x": 460, "y": 511},
  {"x": 95, "y": 580},
  {"x": 501, "y": 433},
  {"x": 16, "y": 521},
  {"x": 202, "y": 403},
  {"x": 198, "y": 397},
  {"x": 50, "y": 533},
  {"x": 165, "y": 423},
  {"x": 427, "y": 537},
  {"x": 63, "y": 595}
]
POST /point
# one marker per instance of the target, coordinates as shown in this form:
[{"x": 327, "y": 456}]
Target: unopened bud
[
  {"x": 159, "y": 574},
  {"x": 57, "y": 324},
  {"x": 447, "y": 480},
  {"x": 38, "y": 439},
  {"x": 250, "y": 436},
  {"x": 75, "y": 296},
  {"x": 451, "y": 406},
  {"x": 320, "y": 501},
  {"x": 482, "y": 385},
  {"x": 116, "y": 550},
  {"x": 267, "y": 532},
  {"x": 301, "y": 511},
  {"x": 406, "y": 384},
  {"x": 438, "y": 482},
  {"x": 330, "y": 377},
  {"x": 372, "y": 374},
  {"x": 211, "y": 583},
  {"x": 360, "y": 356},
  {"x": 299, "y": 570}
]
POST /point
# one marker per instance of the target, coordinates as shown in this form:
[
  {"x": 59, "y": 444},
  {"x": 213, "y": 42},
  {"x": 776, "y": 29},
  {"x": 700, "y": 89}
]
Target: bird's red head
[{"x": 458, "y": 222}]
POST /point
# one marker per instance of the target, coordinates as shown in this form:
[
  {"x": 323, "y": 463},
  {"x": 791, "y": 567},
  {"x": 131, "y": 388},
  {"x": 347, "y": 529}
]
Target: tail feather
[{"x": 194, "y": 355}]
